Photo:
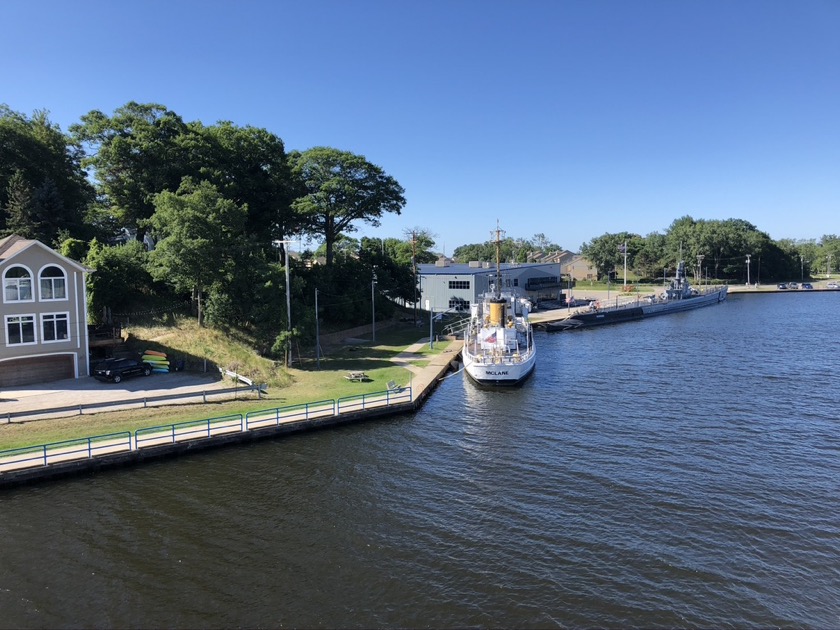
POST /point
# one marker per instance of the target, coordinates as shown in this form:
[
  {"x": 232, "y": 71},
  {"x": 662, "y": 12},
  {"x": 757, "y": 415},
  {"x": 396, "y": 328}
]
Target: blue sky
[{"x": 570, "y": 118}]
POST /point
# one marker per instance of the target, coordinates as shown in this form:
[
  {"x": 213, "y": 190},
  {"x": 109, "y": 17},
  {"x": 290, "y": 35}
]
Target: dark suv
[{"x": 115, "y": 370}]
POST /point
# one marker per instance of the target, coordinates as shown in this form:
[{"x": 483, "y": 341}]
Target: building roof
[{"x": 14, "y": 245}]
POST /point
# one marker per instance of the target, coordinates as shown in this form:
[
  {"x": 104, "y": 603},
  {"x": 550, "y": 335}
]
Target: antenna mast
[{"x": 498, "y": 233}]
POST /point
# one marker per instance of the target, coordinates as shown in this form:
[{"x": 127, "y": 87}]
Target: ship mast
[{"x": 498, "y": 233}]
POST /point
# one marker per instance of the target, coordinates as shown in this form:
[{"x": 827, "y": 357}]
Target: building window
[
  {"x": 17, "y": 285},
  {"x": 53, "y": 284},
  {"x": 459, "y": 284},
  {"x": 516, "y": 282},
  {"x": 20, "y": 330},
  {"x": 55, "y": 327},
  {"x": 459, "y": 305}
]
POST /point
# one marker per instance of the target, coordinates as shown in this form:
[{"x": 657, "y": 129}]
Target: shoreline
[{"x": 423, "y": 382}]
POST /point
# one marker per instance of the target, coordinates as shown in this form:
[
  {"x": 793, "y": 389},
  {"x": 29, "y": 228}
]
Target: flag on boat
[{"x": 491, "y": 338}]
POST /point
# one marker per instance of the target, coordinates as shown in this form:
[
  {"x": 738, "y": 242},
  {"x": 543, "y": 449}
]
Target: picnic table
[{"x": 356, "y": 376}]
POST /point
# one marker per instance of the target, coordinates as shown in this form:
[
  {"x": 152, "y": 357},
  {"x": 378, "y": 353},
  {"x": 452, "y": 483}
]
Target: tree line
[
  {"x": 718, "y": 250},
  {"x": 172, "y": 212}
]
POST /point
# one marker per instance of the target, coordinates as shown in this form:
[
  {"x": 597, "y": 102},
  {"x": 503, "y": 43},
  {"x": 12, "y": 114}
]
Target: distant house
[
  {"x": 44, "y": 314},
  {"x": 579, "y": 268}
]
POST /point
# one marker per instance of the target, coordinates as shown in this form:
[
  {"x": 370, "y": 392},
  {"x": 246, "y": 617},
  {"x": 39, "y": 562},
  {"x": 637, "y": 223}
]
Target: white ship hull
[
  {"x": 499, "y": 342},
  {"x": 502, "y": 373}
]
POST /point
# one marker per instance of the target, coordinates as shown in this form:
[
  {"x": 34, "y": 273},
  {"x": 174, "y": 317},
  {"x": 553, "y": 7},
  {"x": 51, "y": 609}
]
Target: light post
[
  {"x": 801, "y": 268},
  {"x": 828, "y": 266},
  {"x": 373, "y": 307},
  {"x": 700, "y": 258},
  {"x": 748, "y": 269}
]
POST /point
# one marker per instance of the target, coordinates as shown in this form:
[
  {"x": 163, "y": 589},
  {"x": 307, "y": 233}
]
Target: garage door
[{"x": 36, "y": 370}]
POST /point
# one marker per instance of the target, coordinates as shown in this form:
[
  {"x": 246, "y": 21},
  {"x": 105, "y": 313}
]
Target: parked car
[
  {"x": 115, "y": 370},
  {"x": 792, "y": 285},
  {"x": 832, "y": 285},
  {"x": 807, "y": 285},
  {"x": 782, "y": 286}
]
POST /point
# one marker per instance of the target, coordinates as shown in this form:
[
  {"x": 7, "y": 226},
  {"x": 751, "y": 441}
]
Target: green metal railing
[
  {"x": 89, "y": 447},
  {"x": 79, "y": 448}
]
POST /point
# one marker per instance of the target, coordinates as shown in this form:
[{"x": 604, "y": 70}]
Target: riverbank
[{"x": 21, "y": 466}]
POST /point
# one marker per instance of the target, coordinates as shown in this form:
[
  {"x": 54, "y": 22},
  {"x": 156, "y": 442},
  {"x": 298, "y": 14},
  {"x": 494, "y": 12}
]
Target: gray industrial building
[{"x": 447, "y": 286}]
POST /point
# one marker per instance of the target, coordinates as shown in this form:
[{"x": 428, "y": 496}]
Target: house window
[
  {"x": 459, "y": 284},
  {"x": 54, "y": 327},
  {"x": 20, "y": 330},
  {"x": 53, "y": 284},
  {"x": 17, "y": 285}
]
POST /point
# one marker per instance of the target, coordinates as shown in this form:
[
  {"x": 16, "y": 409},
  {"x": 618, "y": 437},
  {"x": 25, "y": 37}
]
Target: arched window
[
  {"x": 53, "y": 284},
  {"x": 17, "y": 285}
]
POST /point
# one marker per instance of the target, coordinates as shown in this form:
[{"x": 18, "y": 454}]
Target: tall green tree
[
  {"x": 19, "y": 210},
  {"x": 40, "y": 162},
  {"x": 249, "y": 165},
  {"x": 607, "y": 251},
  {"x": 339, "y": 189},
  {"x": 140, "y": 151},
  {"x": 201, "y": 236}
]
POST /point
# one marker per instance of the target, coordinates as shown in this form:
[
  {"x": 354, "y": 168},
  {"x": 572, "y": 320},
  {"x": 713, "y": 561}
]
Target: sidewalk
[{"x": 424, "y": 378}]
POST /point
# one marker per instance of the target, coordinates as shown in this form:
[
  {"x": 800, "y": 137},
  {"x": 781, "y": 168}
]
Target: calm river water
[{"x": 680, "y": 471}]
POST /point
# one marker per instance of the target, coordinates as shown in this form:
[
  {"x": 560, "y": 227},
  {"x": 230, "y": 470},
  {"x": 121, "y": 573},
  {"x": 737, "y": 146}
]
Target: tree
[
  {"x": 249, "y": 166},
  {"x": 41, "y": 163},
  {"x": 140, "y": 151},
  {"x": 606, "y": 251},
  {"x": 338, "y": 189},
  {"x": 20, "y": 208},
  {"x": 650, "y": 258},
  {"x": 120, "y": 280},
  {"x": 200, "y": 234}
]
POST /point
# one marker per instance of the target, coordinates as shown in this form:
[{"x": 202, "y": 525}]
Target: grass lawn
[{"x": 303, "y": 383}]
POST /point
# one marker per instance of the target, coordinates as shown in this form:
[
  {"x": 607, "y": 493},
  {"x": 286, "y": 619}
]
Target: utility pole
[
  {"x": 373, "y": 307},
  {"x": 285, "y": 245},
  {"x": 414, "y": 267},
  {"x": 317, "y": 334}
]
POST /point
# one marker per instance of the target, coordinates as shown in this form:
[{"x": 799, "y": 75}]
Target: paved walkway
[{"x": 423, "y": 377}]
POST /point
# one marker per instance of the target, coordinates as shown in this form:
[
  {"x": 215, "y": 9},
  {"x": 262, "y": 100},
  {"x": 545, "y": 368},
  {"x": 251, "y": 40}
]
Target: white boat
[{"x": 499, "y": 340}]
